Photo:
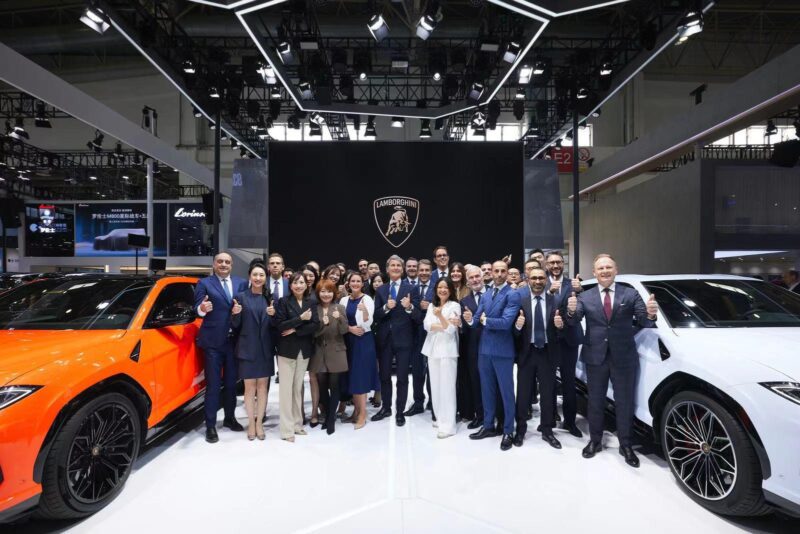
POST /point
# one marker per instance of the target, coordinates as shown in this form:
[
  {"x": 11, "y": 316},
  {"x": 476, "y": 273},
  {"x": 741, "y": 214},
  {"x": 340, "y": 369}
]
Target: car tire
[
  {"x": 711, "y": 455},
  {"x": 91, "y": 458}
]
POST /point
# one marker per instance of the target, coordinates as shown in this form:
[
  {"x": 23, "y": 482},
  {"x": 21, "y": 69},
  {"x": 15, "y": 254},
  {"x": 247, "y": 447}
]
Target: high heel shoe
[
  {"x": 250, "y": 437},
  {"x": 260, "y": 435},
  {"x": 361, "y": 425},
  {"x": 313, "y": 423}
]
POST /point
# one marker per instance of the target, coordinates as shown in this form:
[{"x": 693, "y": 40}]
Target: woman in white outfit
[{"x": 442, "y": 321}]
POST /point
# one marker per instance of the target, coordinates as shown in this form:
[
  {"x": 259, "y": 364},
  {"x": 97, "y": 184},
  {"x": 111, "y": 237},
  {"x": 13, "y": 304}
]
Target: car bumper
[
  {"x": 777, "y": 421},
  {"x": 19, "y": 510},
  {"x": 20, "y": 442}
]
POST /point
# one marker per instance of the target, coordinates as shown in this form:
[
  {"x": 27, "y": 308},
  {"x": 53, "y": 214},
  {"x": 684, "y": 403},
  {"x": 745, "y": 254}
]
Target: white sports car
[{"x": 719, "y": 385}]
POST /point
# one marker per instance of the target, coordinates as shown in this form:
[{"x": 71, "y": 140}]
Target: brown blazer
[{"x": 330, "y": 354}]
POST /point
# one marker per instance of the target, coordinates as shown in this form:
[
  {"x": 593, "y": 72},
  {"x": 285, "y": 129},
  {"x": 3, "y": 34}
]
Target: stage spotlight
[
  {"x": 96, "y": 144},
  {"x": 606, "y": 69},
  {"x": 315, "y": 130},
  {"x": 223, "y": 135},
  {"x": 305, "y": 91},
  {"x": 478, "y": 119},
  {"x": 558, "y": 144},
  {"x": 19, "y": 130},
  {"x": 293, "y": 122},
  {"x": 525, "y": 73},
  {"x": 285, "y": 52},
  {"x": 475, "y": 92},
  {"x": 596, "y": 113},
  {"x": 242, "y": 152},
  {"x": 539, "y": 68},
  {"x": 274, "y": 109},
  {"x": 267, "y": 73},
  {"x": 212, "y": 126},
  {"x": 118, "y": 152},
  {"x": 520, "y": 94},
  {"x": 188, "y": 67},
  {"x": 479, "y": 131},
  {"x": 425, "y": 129},
  {"x": 568, "y": 136},
  {"x": 95, "y": 18},
  {"x": 438, "y": 124},
  {"x": 425, "y": 26},
  {"x": 771, "y": 128},
  {"x": 317, "y": 118},
  {"x": 361, "y": 63},
  {"x": 378, "y": 28},
  {"x": 518, "y": 107},
  {"x": 234, "y": 144},
  {"x": 492, "y": 114},
  {"x": 582, "y": 93},
  {"x": 512, "y": 52},
  {"x": 275, "y": 93},
  {"x": 196, "y": 112},
  {"x": 213, "y": 92},
  {"x": 40, "y": 118},
  {"x": 398, "y": 122},
  {"x": 691, "y": 23},
  {"x": 369, "y": 131}
]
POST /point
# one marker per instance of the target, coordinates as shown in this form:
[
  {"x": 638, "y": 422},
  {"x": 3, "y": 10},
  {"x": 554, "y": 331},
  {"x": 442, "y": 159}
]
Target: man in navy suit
[
  {"x": 277, "y": 285},
  {"x": 398, "y": 315},
  {"x": 561, "y": 287},
  {"x": 441, "y": 258},
  {"x": 421, "y": 283},
  {"x": 213, "y": 300},
  {"x": 471, "y": 340},
  {"x": 496, "y": 313},
  {"x": 609, "y": 350}
]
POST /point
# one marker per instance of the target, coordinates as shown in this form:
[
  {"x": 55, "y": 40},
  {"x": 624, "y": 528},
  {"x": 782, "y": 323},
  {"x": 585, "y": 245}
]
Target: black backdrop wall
[{"x": 343, "y": 201}]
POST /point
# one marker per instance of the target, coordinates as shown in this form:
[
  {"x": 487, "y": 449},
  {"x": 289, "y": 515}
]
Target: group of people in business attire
[{"x": 458, "y": 330}]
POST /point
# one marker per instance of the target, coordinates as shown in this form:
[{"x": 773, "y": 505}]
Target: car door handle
[{"x": 663, "y": 350}]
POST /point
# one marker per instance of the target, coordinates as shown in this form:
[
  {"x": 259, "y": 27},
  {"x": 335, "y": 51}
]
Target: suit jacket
[
  {"x": 501, "y": 311},
  {"x": 330, "y": 351},
  {"x": 615, "y": 337},
  {"x": 435, "y": 273},
  {"x": 213, "y": 333},
  {"x": 523, "y": 337},
  {"x": 572, "y": 336},
  {"x": 254, "y": 329},
  {"x": 270, "y": 287},
  {"x": 396, "y": 327},
  {"x": 287, "y": 315},
  {"x": 471, "y": 336}
]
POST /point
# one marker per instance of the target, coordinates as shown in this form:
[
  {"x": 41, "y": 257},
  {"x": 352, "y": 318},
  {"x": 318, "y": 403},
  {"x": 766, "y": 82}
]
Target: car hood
[
  {"x": 22, "y": 351},
  {"x": 775, "y": 348}
]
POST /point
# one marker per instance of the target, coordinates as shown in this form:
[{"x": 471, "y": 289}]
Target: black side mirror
[{"x": 175, "y": 314}]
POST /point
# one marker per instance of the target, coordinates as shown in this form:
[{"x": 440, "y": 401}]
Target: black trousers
[
  {"x": 329, "y": 395},
  {"x": 464, "y": 400},
  {"x": 220, "y": 366},
  {"x": 537, "y": 364},
  {"x": 566, "y": 367},
  {"x": 623, "y": 381},
  {"x": 418, "y": 373},
  {"x": 403, "y": 357},
  {"x": 474, "y": 383}
]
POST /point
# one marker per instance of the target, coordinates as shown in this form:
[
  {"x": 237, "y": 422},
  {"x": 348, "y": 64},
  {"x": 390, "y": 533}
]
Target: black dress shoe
[
  {"x": 429, "y": 406},
  {"x": 414, "y": 410},
  {"x": 211, "y": 435},
  {"x": 591, "y": 449},
  {"x": 574, "y": 430},
  {"x": 519, "y": 438},
  {"x": 433, "y": 416},
  {"x": 233, "y": 424},
  {"x": 551, "y": 440},
  {"x": 506, "y": 443},
  {"x": 330, "y": 429},
  {"x": 400, "y": 419},
  {"x": 475, "y": 423},
  {"x": 630, "y": 457},
  {"x": 482, "y": 434},
  {"x": 383, "y": 414}
]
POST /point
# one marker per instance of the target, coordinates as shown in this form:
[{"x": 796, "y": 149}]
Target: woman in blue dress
[
  {"x": 360, "y": 346},
  {"x": 254, "y": 356}
]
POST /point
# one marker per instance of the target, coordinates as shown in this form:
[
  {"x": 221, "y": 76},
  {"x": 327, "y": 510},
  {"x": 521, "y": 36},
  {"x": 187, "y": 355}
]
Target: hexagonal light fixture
[{"x": 542, "y": 11}]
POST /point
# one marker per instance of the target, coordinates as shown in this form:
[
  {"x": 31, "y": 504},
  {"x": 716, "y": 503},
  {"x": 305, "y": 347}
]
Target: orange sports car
[{"x": 96, "y": 368}]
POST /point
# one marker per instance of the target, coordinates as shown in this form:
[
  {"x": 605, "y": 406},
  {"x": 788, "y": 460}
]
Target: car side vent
[
  {"x": 662, "y": 349},
  {"x": 135, "y": 352}
]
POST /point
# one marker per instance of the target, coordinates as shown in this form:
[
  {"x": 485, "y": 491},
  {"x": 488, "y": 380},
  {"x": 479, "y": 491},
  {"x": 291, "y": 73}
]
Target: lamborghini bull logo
[{"x": 396, "y": 218}]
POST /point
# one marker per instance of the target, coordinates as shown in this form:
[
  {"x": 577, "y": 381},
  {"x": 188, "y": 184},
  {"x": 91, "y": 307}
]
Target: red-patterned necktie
[{"x": 607, "y": 303}]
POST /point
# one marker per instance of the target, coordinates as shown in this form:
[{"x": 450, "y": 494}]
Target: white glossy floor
[{"x": 385, "y": 479}]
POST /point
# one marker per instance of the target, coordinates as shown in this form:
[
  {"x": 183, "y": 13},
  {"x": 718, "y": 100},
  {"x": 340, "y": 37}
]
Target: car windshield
[
  {"x": 19, "y": 299},
  {"x": 82, "y": 304},
  {"x": 725, "y": 303}
]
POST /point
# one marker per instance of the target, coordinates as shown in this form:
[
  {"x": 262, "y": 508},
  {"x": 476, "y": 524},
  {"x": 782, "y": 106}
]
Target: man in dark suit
[
  {"x": 213, "y": 300},
  {"x": 423, "y": 287},
  {"x": 398, "y": 315},
  {"x": 277, "y": 285},
  {"x": 441, "y": 258},
  {"x": 609, "y": 350},
  {"x": 496, "y": 313},
  {"x": 561, "y": 287},
  {"x": 471, "y": 340},
  {"x": 537, "y": 330},
  {"x": 792, "y": 280}
]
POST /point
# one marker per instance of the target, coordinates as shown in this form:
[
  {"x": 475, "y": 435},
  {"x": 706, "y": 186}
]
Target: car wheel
[
  {"x": 711, "y": 455},
  {"x": 91, "y": 458}
]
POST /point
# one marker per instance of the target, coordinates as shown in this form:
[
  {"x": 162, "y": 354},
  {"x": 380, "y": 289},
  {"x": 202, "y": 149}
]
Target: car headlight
[
  {"x": 11, "y": 394},
  {"x": 787, "y": 390}
]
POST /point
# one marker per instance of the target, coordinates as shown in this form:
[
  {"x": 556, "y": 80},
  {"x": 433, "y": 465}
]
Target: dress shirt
[
  {"x": 277, "y": 292},
  {"x": 611, "y": 294},
  {"x": 544, "y": 315},
  {"x": 225, "y": 282}
]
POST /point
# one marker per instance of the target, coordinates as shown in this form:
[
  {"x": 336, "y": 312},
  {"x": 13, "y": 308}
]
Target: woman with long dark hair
[{"x": 458, "y": 274}]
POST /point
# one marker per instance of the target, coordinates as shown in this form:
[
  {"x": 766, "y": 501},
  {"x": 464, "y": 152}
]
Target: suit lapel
[
  {"x": 218, "y": 286},
  {"x": 618, "y": 297}
]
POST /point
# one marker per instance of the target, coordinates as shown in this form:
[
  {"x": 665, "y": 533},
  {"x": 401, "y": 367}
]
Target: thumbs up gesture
[
  {"x": 335, "y": 313},
  {"x": 271, "y": 308},
  {"x": 576, "y": 283},
  {"x": 467, "y": 315},
  {"x": 206, "y": 306},
  {"x": 361, "y": 306},
  {"x": 520, "y": 320},
  {"x": 555, "y": 287},
  {"x": 237, "y": 308},
  {"x": 306, "y": 315},
  {"x": 437, "y": 311},
  {"x": 483, "y": 319},
  {"x": 652, "y": 306},
  {"x": 572, "y": 303},
  {"x": 558, "y": 320},
  {"x": 406, "y": 302}
]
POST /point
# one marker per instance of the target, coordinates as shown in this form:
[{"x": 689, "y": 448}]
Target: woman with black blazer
[
  {"x": 254, "y": 348},
  {"x": 297, "y": 320},
  {"x": 330, "y": 355}
]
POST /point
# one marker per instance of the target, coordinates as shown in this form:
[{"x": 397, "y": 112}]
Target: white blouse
[
  {"x": 441, "y": 343},
  {"x": 369, "y": 303}
]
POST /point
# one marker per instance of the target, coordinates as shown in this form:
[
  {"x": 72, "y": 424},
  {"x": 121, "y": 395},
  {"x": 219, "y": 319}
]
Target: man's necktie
[
  {"x": 413, "y": 283},
  {"x": 393, "y": 291},
  {"x": 477, "y": 297},
  {"x": 423, "y": 290},
  {"x": 538, "y": 325},
  {"x": 494, "y": 293},
  {"x": 441, "y": 274},
  {"x": 607, "y": 303},
  {"x": 276, "y": 291},
  {"x": 227, "y": 289}
]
